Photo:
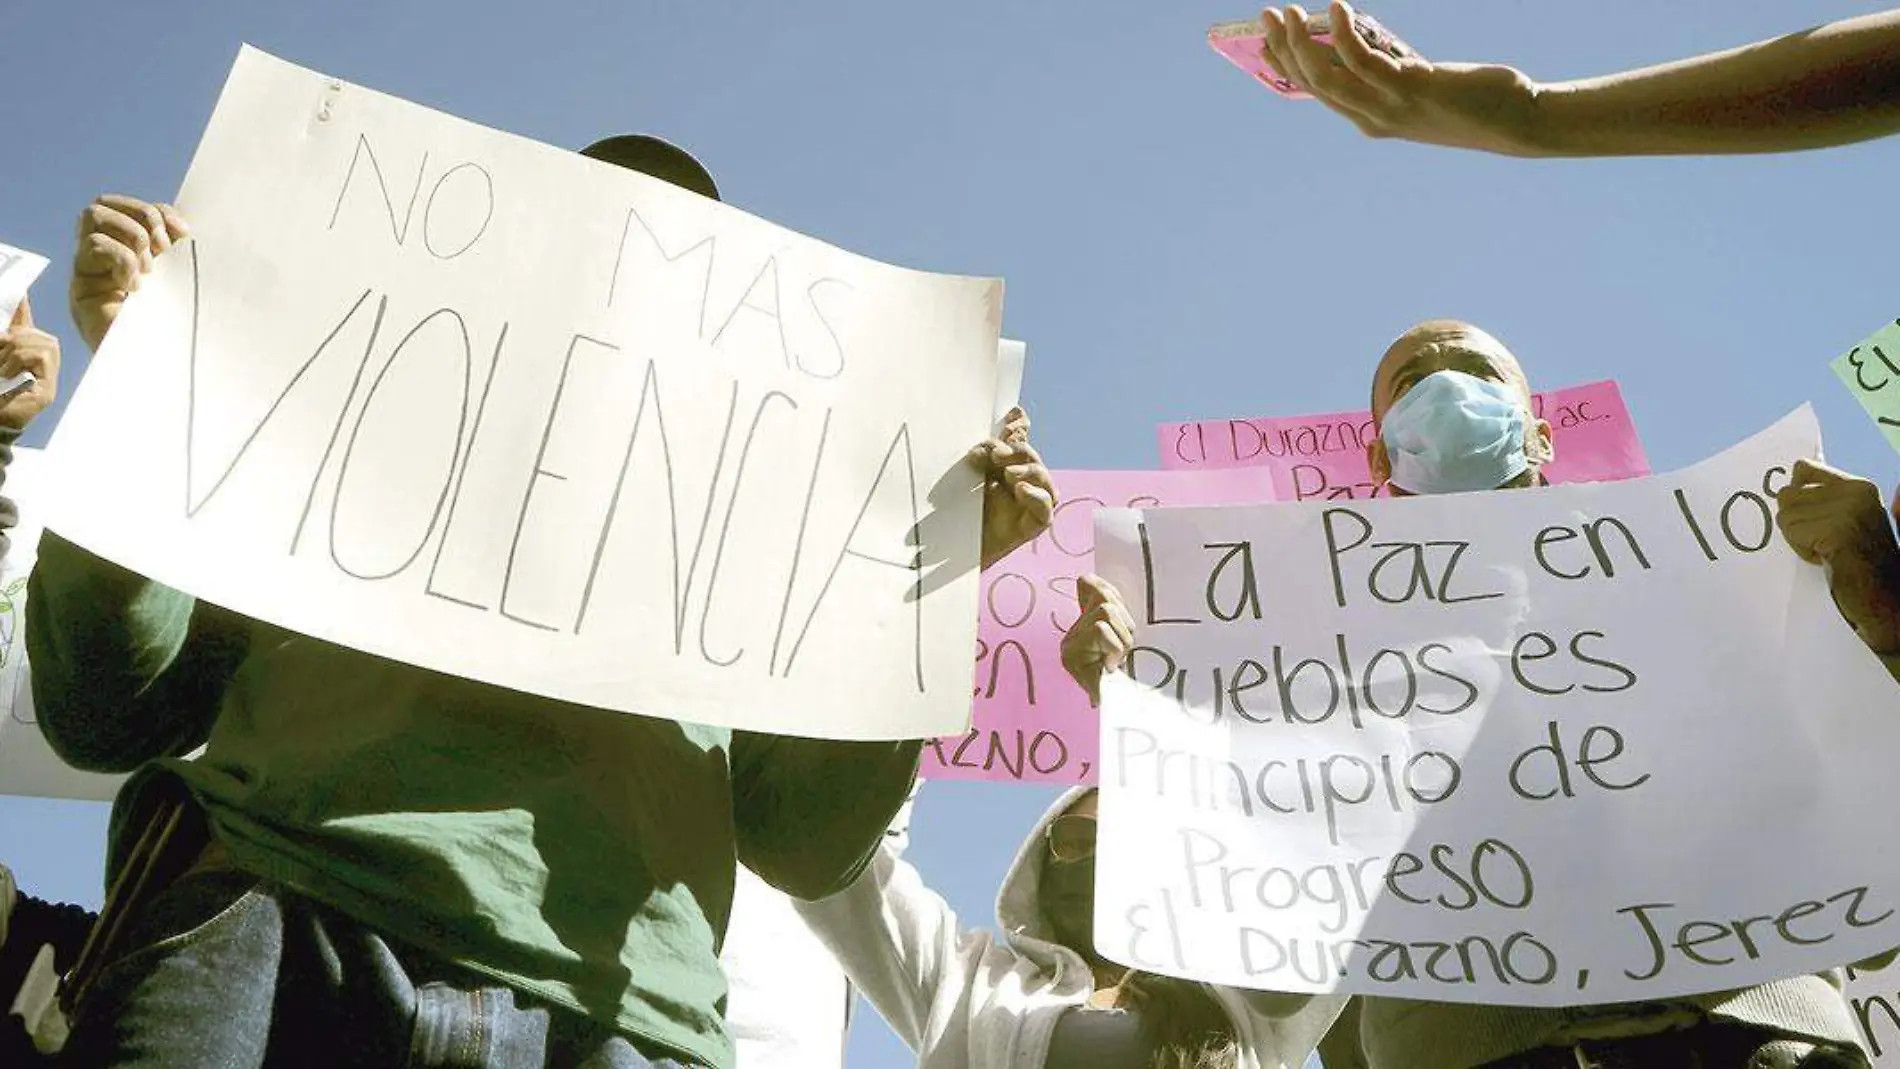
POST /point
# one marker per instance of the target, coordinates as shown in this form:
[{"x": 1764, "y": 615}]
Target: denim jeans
[{"x": 222, "y": 969}]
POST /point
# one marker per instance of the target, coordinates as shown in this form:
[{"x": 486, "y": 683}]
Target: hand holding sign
[
  {"x": 1395, "y": 92},
  {"x": 119, "y": 237},
  {"x": 1029, "y": 725},
  {"x": 1101, "y": 638},
  {"x": 1836, "y": 519},
  {"x": 1019, "y": 500},
  {"x": 31, "y": 355},
  {"x": 1244, "y": 44}
]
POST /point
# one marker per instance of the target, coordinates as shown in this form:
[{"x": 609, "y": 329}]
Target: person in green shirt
[{"x": 372, "y": 864}]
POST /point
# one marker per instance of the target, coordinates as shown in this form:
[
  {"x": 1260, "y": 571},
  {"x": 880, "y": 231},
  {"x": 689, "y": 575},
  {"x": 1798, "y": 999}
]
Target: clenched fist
[{"x": 119, "y": 237}]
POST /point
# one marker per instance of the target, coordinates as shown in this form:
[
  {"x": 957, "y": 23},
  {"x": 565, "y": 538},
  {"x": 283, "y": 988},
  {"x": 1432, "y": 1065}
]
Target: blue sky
[{"x": 1178, "y": 242}]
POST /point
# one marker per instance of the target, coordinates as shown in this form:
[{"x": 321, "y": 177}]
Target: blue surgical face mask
[{"x": 1454, "y": 432}]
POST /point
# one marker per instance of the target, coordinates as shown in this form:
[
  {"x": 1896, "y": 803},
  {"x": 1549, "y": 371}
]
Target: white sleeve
[
  {"x": 897, "y": 836},
  {"x": 898, "y": 941}
]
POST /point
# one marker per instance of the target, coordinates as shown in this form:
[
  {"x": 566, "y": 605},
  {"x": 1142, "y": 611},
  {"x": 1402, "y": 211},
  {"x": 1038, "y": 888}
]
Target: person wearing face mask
[
  {"x": 1454, "y": 415},
  {"x": 1041, "y": 996},
  {"x": 1455, "y": 431}
]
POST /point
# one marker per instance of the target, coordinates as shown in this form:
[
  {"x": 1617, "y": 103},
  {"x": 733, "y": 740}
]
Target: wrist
[
  {"x": 1504, "y": 110},
  {"x": 1866, "y": 586},
  {"x": 1537, "y": 129},
  {"x": 1881, "y": 633},
  {"x": 1881, "y": 629}
]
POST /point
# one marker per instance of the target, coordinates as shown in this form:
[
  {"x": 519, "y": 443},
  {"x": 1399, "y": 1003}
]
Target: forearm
[
  {"x": 124, "y": 669},
  {"x": 810, "y": 812},
  {"x": 1832, "y": 85},
  {"x": 1866, "y": 588},
  {"x": 895, "y": 939}
]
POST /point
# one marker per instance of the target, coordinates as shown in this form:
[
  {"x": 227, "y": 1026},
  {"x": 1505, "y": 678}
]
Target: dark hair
[
  {"x": 657, "y": 158},
  {"x": 1183, "y": 1024}
]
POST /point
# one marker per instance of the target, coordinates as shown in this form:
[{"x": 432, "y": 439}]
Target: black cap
[{"x": 652, "y": 156}]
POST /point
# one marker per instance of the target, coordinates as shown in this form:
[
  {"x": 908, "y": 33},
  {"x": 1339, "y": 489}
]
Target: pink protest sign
[
  {"x": 1031, "y": 723},
  {"x": 1324, "y": 456},
  {"x": 1243, "y": 44}
]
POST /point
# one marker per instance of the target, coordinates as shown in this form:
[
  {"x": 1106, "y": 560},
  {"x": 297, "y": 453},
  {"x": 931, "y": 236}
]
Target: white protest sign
[
  {"x": 463, "y": 400},
  {"x": 1874, "y": 996},
  {"x": 18, "y": 269},
  {"x": 28, "y": 766},
  {"x": 1012, "y": 359},
  {"x": 1585, "y": 744}
]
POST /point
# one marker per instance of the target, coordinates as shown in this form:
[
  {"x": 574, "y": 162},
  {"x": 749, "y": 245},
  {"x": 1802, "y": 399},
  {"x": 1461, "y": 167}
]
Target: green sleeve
[
  {"x": 124, "y": 670},
  {"x": 810, "y": 813}
]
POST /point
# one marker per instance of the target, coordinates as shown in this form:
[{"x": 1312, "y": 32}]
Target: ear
[{"x": 1378, "y": 461}]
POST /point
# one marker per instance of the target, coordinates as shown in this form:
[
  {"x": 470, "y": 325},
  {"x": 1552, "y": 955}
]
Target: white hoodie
[{"x": 962, "y": 999}]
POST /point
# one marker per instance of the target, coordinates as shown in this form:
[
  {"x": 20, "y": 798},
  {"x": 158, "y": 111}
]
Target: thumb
[
  {"x": 1092, "y": 591},
  {"x": 23, "y": 315},
  {"x": 1814, "y": 473}
]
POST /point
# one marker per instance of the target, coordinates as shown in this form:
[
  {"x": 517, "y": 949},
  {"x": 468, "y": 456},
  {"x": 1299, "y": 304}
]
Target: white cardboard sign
[
  {"x": 1584, "y": 744},
  {"x": 18, "y": 269},
  {"x": 1874, "y": 997},
  {"x": 463, "y": 400}
]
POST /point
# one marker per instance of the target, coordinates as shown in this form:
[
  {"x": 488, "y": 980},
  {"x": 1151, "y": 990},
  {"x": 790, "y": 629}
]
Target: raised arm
[
  {"x": 124, "y": 669},
  {"x": 810, "y": 812},
  {"x": 1831, "y": 85},
  {"x": 898, "y": 941}
]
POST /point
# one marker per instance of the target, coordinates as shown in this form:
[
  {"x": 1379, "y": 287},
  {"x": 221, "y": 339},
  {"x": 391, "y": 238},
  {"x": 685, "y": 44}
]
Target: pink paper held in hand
[
  {"x": 1323, "y": 457},
  {"x": 1243, "y": 42},
  {"x": 1030, "y": 722}
]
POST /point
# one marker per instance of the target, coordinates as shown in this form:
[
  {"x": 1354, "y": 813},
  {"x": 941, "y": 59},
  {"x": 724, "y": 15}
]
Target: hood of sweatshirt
[
  {"x": 1268, "y": 1027},
  {"x": 1019, "y": 905}
]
